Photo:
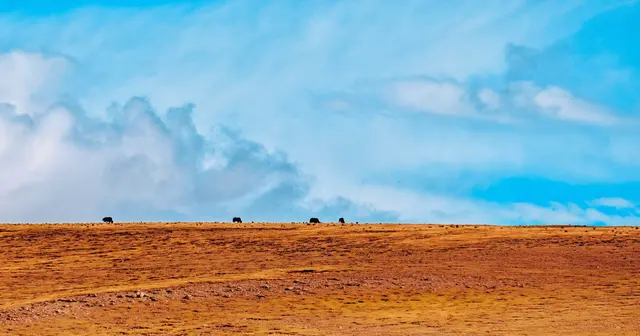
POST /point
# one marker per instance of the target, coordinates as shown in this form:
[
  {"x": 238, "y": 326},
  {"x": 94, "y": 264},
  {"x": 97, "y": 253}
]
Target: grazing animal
[
  {"x": 237, "y": 220},
  {"x": 341, "y": 220},
  {"x": 314, "y": 220},
  {"x": 107, "y": 220}
]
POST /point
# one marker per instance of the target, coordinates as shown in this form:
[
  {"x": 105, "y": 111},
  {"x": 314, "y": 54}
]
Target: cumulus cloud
[{"x": 60, "y": 164}]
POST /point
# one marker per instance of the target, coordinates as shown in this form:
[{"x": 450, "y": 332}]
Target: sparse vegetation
[{"x": 205, "y": 278}]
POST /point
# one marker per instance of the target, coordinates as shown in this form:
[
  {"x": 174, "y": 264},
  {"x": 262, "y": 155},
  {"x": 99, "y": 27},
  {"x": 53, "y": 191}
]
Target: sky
[{"x": 509, "y": 112}]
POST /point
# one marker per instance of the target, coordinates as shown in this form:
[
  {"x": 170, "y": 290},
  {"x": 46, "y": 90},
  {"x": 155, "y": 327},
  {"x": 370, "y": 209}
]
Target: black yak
[
  {"x": 341, "y": 220},
  {"x": 314, "y": 220},
  {"x": 107, "y": 220},
  {"x": 237, "y": 220}
]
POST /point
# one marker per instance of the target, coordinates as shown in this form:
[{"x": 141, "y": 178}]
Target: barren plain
[{"x": 327, "y": 279}]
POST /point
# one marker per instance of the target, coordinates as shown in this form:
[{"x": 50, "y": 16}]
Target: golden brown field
[{"x": 328, "y": 279}]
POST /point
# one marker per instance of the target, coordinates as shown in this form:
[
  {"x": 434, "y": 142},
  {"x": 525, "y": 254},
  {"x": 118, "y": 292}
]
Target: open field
[{"x": 328, "y": 279}]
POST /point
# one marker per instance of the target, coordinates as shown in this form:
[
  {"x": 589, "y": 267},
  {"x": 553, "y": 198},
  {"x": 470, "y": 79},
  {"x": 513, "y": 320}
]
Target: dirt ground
[{"x": 328, "y": 279}]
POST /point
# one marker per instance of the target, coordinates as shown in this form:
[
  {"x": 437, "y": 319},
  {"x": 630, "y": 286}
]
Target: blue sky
[{"x": 504, "y": 112}]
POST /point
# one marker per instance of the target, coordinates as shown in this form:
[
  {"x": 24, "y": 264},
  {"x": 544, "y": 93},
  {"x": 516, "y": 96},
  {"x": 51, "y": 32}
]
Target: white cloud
[
  {"x": 556, "y": 103},
  {"x": 430, "y": 96},
  {"x": 489, "y": 98},
  {"x": 452, "y": 99},
  {"x": 561, "y": 104},
  {"x": 613, "y": 202},
  {"x": 415, "y": 207},
  {"x": 29, "y": 81},
  {"x": 60, "y": 164}
]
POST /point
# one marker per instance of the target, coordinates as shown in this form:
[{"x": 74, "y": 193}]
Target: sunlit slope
[{"x": 328, "y": 279}]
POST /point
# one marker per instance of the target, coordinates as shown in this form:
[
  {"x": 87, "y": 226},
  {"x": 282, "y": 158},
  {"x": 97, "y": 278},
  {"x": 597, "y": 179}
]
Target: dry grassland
[{"x": 295, "y": 279}]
